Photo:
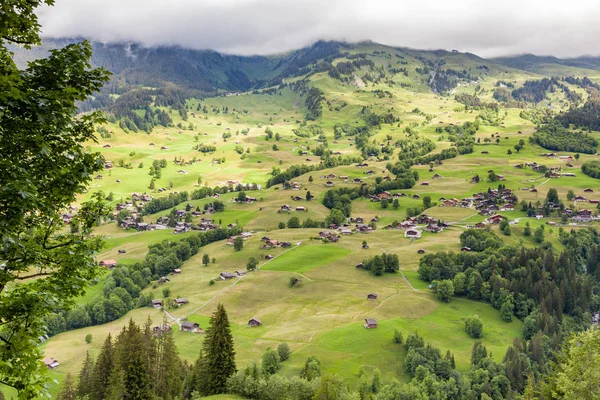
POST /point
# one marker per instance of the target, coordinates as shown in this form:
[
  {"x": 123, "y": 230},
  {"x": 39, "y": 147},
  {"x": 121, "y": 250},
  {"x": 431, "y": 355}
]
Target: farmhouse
[
  {"x": 424, "y": 183},
  {"x": 329, "y": 184},
  {"x": 190, "y": 327},
  {"x": 495, "y": 219},
  {"x": 372, "y": 296},
  {"x": 285, "y": 208},
  {"x": 160, "y": 329},
  {"x": 300, "y": 209},
  {"x": 434, "y": 228},
  {"x": 157, "y": 303},
  {"x": 370, "y": 323},
  {"x": 226, "y": 275},
  {"x": 181, "y": 301},
  {"x": 51, "y": 362},
  {"x": 110, "y": 264},
  {"x": 588, "y": 190},
  {"x": 412, "y": 234},
  {"x": 254, "y": 322}
]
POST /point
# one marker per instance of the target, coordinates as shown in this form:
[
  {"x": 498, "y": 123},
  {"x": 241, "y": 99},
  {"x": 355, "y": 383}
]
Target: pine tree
[
  {"x": 169, "y": 372},
  {"x": 199, "y": 376},
  {"x": 116, "y": 385},
  {"x": 102, "y": 370},
  {"x": 133, "y": 362},
  {"x": 218, "y": 363},
  {"x": 68, "y": 391},
  {"x": 85, "y": 385}
]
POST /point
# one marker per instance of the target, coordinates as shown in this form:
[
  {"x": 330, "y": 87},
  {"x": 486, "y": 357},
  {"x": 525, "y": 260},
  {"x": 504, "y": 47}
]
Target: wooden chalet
[
  {"x": 190, "y": 327},
  {"x": 370, "y": 323},
  {"x": 51, "y": 362},
  {"x": 157, "y": 303},
  {"x": 254, "y": 322}
]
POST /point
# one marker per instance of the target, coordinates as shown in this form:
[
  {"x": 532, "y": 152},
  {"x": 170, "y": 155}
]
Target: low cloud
[{"x": 484, "y": 27}]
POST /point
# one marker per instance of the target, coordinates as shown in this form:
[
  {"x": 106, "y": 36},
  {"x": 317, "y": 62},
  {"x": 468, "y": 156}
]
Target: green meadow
[{"x": 323, "y": 314}]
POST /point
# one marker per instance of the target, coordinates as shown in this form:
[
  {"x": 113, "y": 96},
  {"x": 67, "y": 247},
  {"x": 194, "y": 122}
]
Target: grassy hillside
[{"x": 324, "y": 313}]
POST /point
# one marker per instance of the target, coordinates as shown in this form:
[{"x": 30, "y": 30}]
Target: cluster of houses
[
  {"x": 269, "y": 243},
  {"x": 359, "y": 223},
  {"x": 243, "y": 235},
  {"x": 492, "y": 201},
  {"x": 329, "y": 236},
  {"x": 432, "y": 225}
]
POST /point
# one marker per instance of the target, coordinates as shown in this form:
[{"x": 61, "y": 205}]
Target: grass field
[
  {"x": 324, "y": 313},
  {"x": 305, "y": 258}
]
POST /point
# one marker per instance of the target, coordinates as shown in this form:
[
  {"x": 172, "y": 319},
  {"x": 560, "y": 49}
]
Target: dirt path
[{"x": 177, "y": 320}]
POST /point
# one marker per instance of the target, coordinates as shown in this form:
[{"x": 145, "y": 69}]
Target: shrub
[
  {"x": 474, "y": 326},
  {"x": 88, "y": 338},
  {"x": 284, "y": 351},
  {"x": 398, "y": 338}
]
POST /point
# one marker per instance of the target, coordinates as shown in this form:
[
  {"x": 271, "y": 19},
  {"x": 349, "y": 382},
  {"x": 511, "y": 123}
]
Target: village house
[
  {"x": 226, "y": 275},
  {"x": 384, "y": 195},
  {"x": 161, "y": 329},
  {"x": 190, "y": 327},
  {"x": 180, "y": 301},
  {"x": 163, "y": 279},
  {"x": 495, "y": 219},
  {"x": 416, "y": 196},
  {"x": 329, "y": 184},
  {"x": 157, "y": 303},
  {"x": 285, "y": 208},
  {"x": 254, "y": 322},
  {"x": 370, "y": 323},
  {"x": 51, "y": 362},
  {"x": 110, "y": 264},
  {"x": 412, "y": 234},
  {"x": 300, "y": 209},
  {"x": 434, "y": 228},
  {"x": 424, "y": 183},
  {"x": 588, "y": 190}
]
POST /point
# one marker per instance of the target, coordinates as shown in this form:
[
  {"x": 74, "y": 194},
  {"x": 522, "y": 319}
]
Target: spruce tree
[
  {"x": 219, "y": 355},
  {"x": 84, "y": 387},
  {"x": 102, "y": 370},
  {"x": 116, "y": 385},
  {"x": 132, "y": 360},
  {"x": 169, "y": 372},
  {"x": 68, "y": 391}
]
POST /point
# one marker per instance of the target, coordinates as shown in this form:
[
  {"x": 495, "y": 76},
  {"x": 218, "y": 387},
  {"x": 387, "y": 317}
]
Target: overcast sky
[{"x": 485, "y": 27}]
